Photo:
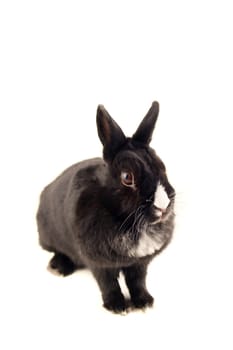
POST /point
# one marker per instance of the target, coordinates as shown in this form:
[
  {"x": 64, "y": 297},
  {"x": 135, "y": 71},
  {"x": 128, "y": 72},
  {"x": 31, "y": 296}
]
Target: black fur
[
  {"x": 88, "y": 217},
  {"x": 62, "y": 264}
]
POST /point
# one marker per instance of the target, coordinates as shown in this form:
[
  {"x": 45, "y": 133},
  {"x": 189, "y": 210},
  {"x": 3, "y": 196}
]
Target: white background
[{"x": 58, "y": 61}]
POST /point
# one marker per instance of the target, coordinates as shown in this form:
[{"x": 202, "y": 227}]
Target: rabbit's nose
[
  {"x": 159, "y": 212},
  {"x": 161, "y": 200}
]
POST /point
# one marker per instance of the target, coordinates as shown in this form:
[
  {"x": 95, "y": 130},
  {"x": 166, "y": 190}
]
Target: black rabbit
[{"x": 111, "y": 215}]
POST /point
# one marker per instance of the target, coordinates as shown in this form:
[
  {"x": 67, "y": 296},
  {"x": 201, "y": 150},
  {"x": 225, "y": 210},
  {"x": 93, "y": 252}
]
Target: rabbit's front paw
[
  {"x": 142, "y": 300},
  {"x": 115, "y": 302}
]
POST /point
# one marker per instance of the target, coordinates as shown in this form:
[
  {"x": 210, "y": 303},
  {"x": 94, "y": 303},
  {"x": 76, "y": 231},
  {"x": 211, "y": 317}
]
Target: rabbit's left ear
[
  {"x": 110, "y": 134},
  {"x": 145, "y": 130}
]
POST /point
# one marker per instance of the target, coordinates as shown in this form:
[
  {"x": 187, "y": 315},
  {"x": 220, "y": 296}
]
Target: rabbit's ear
[
  {"x": 145, "y": 130},
  {"x": 110, "y": 134}
]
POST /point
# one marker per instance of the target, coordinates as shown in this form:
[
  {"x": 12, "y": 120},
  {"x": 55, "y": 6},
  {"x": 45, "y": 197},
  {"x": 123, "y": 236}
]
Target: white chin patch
[
  {"x": 147, "y": 245},
  {"x": 161, "y": 198}
]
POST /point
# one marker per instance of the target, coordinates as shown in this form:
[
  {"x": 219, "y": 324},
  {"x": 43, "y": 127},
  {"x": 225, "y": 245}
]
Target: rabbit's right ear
[
  {"x": 110, "y": 134},
  {"x": 145, "y": 130}
]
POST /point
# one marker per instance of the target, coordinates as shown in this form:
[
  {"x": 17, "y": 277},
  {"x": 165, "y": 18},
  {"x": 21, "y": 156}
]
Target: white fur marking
[
  {"x": 158, "y": 213},
  {"x": 161, "y": 197},
  {"x": 146, "y": 246}
]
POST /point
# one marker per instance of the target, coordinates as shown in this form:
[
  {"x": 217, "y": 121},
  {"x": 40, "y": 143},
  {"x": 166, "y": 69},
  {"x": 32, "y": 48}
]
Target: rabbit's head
[{"x": 137, "y": 176}]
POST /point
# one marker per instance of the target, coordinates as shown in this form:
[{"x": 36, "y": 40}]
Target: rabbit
[{"x": 111, "y": 215}]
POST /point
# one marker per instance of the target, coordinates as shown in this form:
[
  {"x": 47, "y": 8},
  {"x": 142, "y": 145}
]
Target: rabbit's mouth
[{"x": 162, "y": 215}]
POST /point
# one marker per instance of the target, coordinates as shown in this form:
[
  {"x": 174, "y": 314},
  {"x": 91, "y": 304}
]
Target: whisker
[
  {"x": 127, "y": 218},
  {"x": 141, "y": 223},
  {"x": 139, "y": 219},
  {"x": 136, "y": 217}
]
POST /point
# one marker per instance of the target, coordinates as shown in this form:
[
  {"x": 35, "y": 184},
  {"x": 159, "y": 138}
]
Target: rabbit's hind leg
[{"x": 63, "y": 264}]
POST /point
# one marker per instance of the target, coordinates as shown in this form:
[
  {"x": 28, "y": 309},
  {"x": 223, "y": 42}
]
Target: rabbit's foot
[
  {"x": 142, "y": 299},
  {"x": 62, "y": 264},
  {"x": 115, "y": 302}
]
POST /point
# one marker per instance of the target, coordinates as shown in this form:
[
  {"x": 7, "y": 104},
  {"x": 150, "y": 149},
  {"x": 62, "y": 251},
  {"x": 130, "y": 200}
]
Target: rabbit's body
[
  {"x": 95, "y": 216},
  {"x": 89, "y": 232}
]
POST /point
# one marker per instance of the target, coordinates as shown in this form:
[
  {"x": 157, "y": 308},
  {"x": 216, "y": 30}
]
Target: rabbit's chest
[{"x": 149, "y": 243}]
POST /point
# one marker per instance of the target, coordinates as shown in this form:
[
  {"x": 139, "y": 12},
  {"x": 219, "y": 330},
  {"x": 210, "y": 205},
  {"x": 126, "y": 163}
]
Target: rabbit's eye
[{"x": 127, "y": 179}]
